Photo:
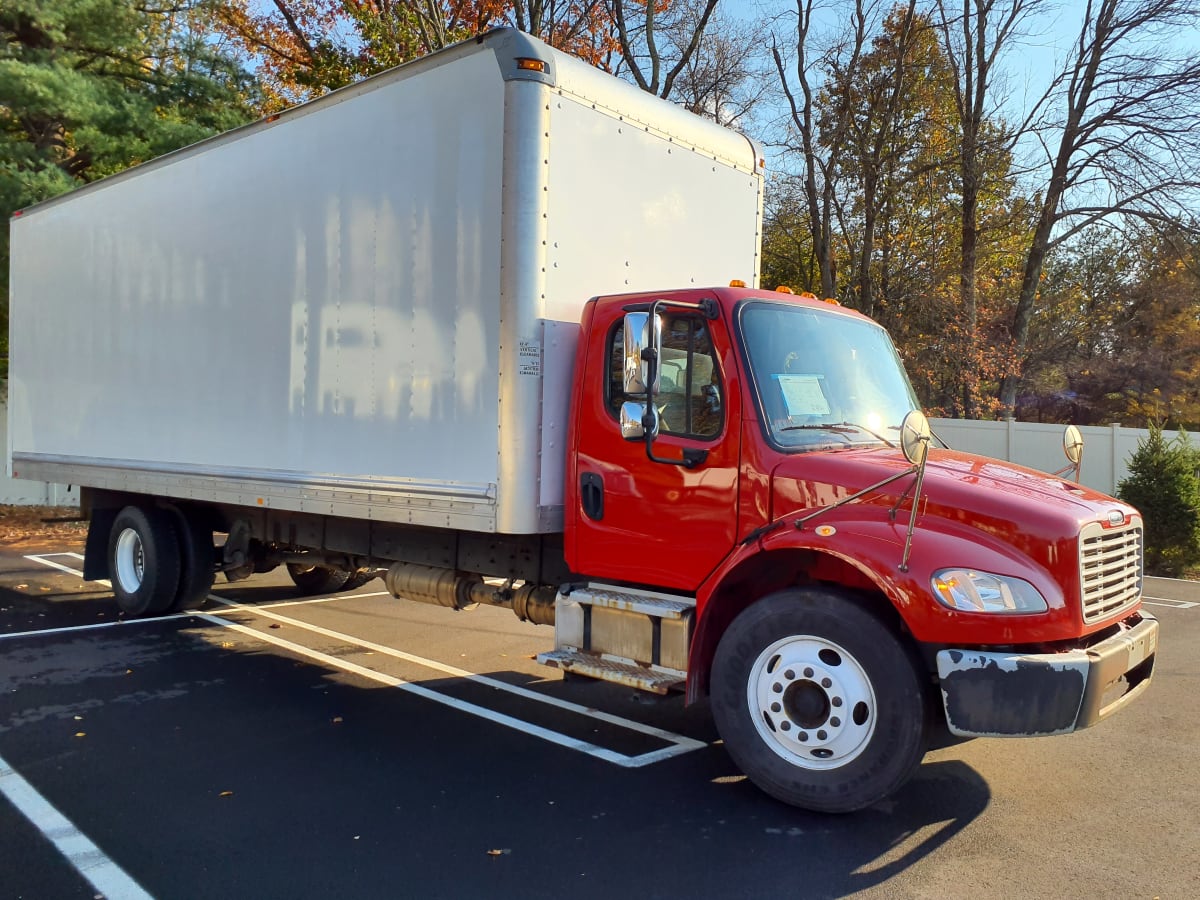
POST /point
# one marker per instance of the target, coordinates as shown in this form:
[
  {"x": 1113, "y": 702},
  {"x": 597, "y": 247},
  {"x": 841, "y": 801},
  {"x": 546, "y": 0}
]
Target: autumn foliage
[{"x": 304, "y": 48}]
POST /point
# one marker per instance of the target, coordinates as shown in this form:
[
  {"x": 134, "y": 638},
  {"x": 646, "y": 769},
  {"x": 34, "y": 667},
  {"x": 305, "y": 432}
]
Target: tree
[
  {"x": 1162, "y": 484},
  {"x": 722, "y": 80},
  {"x": 658, "y": 39},
  {"x": 821, "y": 129},
  {"x": 304, "y": 48},
  {"x": 89, "y": 87},
  {"x": 1124, "y": 140}
]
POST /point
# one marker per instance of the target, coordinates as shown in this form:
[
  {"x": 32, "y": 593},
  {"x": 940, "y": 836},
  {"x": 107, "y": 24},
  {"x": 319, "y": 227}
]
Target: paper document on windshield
[{"x": 803, "y": 395}]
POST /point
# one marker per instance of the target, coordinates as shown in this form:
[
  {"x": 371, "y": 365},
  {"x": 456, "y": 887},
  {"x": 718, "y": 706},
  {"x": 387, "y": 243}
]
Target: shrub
[{"x": 1163, "y": 485}]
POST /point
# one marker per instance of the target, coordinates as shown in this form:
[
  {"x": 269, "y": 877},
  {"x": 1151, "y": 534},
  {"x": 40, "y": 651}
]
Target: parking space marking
[
  {"x": 85, "y": 857},
  {"x": 41, "y": 558},
  {"x": 681, "y": 743},
  {"x": 1169, "y": 603},
  {"x": 678, "y": 743}
]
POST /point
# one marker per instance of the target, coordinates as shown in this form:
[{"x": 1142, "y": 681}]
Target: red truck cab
[{"x": 743, "y": 515}]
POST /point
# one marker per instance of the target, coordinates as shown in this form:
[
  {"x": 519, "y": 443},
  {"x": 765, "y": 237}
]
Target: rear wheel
[
  {"x": 358, "y": 578},
  {"x": 818, "y": 701},
  {"x": 319, "y": 579},
  {"x": 144, "y": 560},
  {"x": 198, "y": 563}
]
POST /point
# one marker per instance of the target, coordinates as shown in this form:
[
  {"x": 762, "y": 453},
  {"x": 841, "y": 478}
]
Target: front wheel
[{"x": 818, "y": 701}]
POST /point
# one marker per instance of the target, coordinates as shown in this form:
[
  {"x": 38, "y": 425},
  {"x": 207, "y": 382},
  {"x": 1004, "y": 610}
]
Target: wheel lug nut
[
  {"x": 775, "y": 707},
  {"x": 808, "y": 673},
  {"x": 835, "y": 721},
  {"x": 789, "y": 674},
  {"x": 803, "y": 736},
  {"x": 786, "y": 726},
  {"x": 821, "y": 735},
  {"x": 837, "y": 701},
  {"x": 826, "y": 683},
  {"x": 777, "y": 688}
]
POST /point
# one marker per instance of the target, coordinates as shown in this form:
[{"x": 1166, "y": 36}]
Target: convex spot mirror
[
  {"x": 1073, "y": 445},
  {"x": 914, "y": 437},
  {"x": 633, "y": 426}
]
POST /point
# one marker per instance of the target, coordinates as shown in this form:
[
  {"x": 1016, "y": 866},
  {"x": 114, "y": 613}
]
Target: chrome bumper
[{"x": 1020, "y": 695}]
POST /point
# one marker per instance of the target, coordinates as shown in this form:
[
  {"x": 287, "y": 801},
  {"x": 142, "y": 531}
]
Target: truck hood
[{"x": 1031, "y": 510}]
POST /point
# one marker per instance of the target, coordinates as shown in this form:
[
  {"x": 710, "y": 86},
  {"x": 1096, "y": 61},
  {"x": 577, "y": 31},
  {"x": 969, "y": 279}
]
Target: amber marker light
[
  {"x": 783, "y": 289},
  {"x": 737, "y": 282},
  {"x": 531, "y": 65}
]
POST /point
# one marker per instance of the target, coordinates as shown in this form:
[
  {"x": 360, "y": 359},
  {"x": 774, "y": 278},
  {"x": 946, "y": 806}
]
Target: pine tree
[{"x": 1163, "y": 485}]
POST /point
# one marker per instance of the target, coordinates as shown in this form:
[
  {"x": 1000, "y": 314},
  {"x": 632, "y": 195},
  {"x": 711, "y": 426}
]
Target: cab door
[{"x": 634, "y": 520}]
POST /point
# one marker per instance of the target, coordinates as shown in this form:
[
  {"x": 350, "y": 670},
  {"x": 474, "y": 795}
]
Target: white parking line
[
  {"x": 1169, "y": 603},
  {"x": 678, "y": 744},
  {"x": 85, "y": 857}
]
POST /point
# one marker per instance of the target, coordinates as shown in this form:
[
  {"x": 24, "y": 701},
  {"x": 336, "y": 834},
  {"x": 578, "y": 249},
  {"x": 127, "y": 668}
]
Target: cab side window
[{"x": 690, "y": 398}]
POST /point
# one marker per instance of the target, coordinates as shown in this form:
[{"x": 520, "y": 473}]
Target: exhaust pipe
[{"x": 466, "y": 590}]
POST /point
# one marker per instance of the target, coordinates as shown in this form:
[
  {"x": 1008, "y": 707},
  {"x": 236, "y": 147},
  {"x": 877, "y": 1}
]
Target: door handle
[{"x": 591, "y": 495}]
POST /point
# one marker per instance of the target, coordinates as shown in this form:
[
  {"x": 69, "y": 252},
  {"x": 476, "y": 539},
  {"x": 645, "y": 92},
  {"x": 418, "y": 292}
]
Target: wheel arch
[{"x": 759, "y": 574}]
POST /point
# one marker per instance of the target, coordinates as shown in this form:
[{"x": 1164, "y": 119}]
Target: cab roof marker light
[
  {"x": 783, "y": 289},
  {"x": 737, "y": 282}
]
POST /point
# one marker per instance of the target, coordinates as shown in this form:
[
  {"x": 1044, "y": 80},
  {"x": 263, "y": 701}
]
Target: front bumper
[{"x": 1020, "y": 695}]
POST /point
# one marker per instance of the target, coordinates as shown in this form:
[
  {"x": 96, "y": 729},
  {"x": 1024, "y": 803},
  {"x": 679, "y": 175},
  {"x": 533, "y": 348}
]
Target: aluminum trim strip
[{"x": 403, "y": 486}]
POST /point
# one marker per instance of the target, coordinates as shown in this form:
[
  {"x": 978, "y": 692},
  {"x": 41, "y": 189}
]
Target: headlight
[{"x": 973, "y": 591}]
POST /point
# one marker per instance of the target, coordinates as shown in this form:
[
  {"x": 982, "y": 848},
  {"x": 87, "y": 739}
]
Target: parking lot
[{"x": 361, "y": 746}]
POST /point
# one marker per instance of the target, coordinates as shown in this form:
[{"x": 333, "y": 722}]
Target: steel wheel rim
[
  {"x": 811, "y": 702},
  {"x": 131, "y": 561}
]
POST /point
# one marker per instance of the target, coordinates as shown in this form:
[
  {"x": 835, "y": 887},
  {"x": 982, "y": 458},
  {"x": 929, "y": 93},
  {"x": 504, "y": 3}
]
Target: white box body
[{"x": 368, "y": 305}]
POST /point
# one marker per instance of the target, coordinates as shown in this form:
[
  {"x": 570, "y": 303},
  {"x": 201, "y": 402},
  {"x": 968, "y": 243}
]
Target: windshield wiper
[
  {"x": 817, "y": 426},
  {"x": 840, "y": 428}
]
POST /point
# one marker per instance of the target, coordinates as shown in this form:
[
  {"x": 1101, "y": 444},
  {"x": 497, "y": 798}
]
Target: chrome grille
[{"x": 1110, "y": 569}]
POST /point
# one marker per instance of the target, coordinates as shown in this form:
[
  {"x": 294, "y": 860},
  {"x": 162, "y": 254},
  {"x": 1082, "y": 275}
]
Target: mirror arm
[
  {"x": 912, "y": 518},
  {"x": 799, "y": 523},
  {"x": 692, "y": 456}
]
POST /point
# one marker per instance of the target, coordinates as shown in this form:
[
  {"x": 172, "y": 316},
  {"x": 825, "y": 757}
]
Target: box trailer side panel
[{"x": 307, "y": 308}]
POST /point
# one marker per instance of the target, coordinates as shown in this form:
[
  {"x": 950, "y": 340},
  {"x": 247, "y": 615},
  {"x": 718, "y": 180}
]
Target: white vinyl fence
[
  {"x": 1106, "y": 448},
  {"x": 1106, "y": 452}
]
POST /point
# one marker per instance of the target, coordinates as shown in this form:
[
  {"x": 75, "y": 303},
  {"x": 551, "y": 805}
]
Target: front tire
[
  {"x": 818, "y": 701},
  {"x": 144, "y": 560}
]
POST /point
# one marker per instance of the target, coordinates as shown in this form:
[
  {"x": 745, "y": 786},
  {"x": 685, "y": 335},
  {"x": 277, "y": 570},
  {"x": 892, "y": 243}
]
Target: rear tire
[
  {"x": 144, "y": 560},
  {"x": 319, "y": 579},
  {"x": 359, "y": 578},
  {"x": 198, "y": 558},
  {"x": 818, "y": 701}
]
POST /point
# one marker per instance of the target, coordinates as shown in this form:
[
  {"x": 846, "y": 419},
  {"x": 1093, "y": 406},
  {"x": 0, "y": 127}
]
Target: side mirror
[
  {"x": 1073, "y": 450},
  {"x": 915, "y": 437},
  {"x": 642, "y": 332},
  {"x": 1073, "y": 445}
]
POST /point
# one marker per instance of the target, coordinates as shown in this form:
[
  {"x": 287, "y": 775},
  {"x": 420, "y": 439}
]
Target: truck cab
[{"x": 754, "y": 526}]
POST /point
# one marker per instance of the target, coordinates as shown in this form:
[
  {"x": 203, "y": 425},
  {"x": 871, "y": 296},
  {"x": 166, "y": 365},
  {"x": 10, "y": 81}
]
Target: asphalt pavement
[{"x": 360, "y": 746}]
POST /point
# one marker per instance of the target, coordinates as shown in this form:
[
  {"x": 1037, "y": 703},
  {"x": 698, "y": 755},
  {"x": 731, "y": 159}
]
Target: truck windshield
[{"x": 824, "y": 378}]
